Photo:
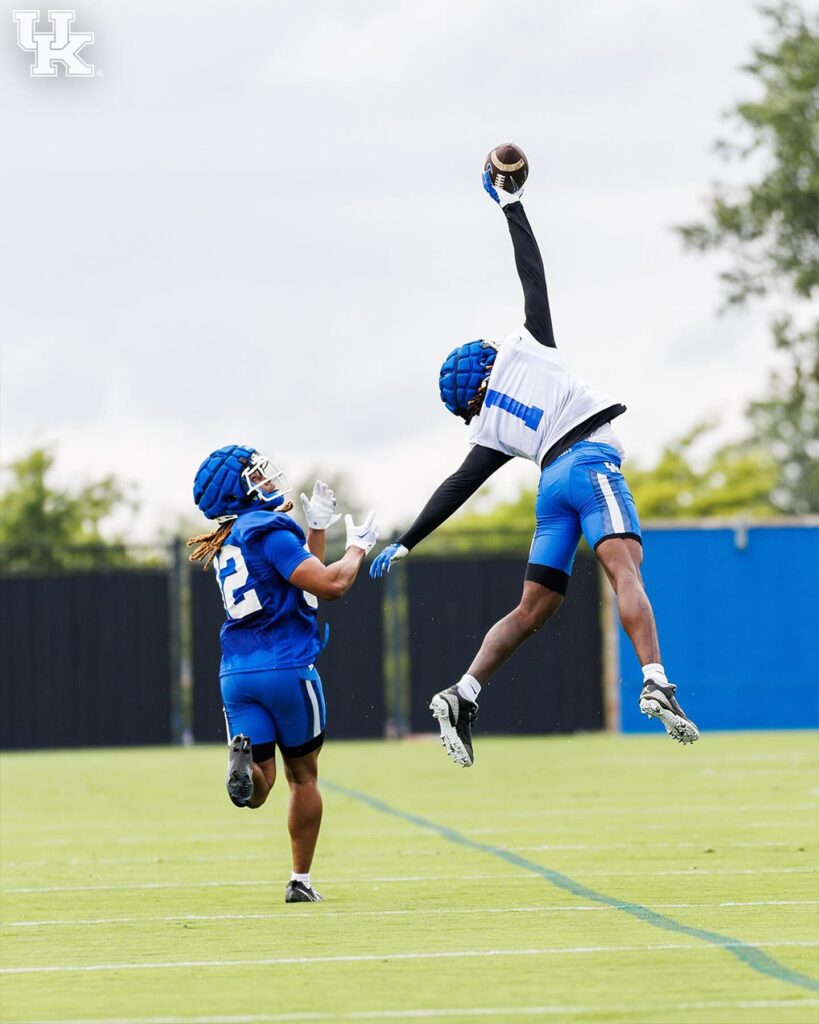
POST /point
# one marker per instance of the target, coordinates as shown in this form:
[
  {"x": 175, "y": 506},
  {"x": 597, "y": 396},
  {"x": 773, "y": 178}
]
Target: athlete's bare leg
[
  {"x": 304, "y": 811},
  {"x": 264, "y": 775},
  {"x": 537, "y": 605},
  {"x": 622, "y": 557}
]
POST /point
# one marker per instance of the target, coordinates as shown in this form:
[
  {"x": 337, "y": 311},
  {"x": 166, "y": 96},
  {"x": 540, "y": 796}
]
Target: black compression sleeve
[
  {"x": 531, "y": 274},
  {"x": 475, "y": 470}
]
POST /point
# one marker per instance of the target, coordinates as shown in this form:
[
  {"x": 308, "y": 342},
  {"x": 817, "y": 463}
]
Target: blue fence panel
[{"x": 738, "y": 617}]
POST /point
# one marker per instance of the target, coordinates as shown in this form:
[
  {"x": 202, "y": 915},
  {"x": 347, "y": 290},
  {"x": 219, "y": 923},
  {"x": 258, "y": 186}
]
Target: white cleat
[
  {"x": 455, "y": 716},
  {"x": 657, "y": 700}
]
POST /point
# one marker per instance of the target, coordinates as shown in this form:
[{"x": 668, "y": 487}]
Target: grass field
[{"x": 590, "y": 878}]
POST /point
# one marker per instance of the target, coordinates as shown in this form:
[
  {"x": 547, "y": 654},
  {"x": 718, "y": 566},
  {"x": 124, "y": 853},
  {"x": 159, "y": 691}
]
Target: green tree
[
  {"x": 770, "y": 229},
  {"x": 736, "y": 479},
  {"x": 44, "y": 528}
]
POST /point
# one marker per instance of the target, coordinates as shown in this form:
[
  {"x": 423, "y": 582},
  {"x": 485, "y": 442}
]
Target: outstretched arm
[
  {"x": 531, "y": 274},
  {"x": 475, "y": 470},
  {"x": 329, "y": 582}
]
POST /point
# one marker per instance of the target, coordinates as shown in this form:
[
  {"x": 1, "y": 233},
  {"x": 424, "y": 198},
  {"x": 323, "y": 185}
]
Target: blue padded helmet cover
[
  {"x": 463, "y": 372},
  {"x": 218, "y": 488}
]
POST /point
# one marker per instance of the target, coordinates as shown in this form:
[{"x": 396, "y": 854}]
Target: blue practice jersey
[{"x": 270, "y": 623}]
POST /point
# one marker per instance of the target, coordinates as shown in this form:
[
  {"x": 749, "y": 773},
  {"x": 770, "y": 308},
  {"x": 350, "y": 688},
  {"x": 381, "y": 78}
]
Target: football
[{"x": 508, "y": 167}]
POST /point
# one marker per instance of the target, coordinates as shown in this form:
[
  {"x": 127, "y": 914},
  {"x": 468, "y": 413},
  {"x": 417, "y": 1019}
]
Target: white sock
[
  {"x": 469, "y": 688},
  {"x": 304, "y": 879},
  {"x": 656, "y": 672}
]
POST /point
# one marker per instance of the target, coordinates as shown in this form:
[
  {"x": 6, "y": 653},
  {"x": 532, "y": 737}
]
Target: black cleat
[
  {"x": 657, "y": 700},
  {"x": 239, "y": 779},
  {"x": 455, "y": 716},
  {"x": 298, "y": 892}
]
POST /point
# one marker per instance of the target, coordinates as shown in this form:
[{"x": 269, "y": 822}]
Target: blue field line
[{"x": 749, "y": 955}]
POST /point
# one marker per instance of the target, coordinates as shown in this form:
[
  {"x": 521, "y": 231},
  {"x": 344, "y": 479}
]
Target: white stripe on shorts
[
  {"x": 617, "y": 524},
  {"x": 311, "y": 693}
]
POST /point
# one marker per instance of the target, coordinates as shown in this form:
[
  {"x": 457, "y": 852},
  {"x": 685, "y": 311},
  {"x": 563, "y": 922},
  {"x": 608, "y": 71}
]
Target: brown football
[{"x": 507, "y": 166}]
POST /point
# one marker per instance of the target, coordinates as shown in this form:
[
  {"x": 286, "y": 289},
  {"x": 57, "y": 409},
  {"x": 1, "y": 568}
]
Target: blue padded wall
[{"x": 738, "y": 616}]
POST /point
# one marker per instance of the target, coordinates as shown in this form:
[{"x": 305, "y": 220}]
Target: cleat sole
[
  {"x": 681, "y": 729},
  {"x": 449, "y": 737},
  {"x": 239, "y": 781}
]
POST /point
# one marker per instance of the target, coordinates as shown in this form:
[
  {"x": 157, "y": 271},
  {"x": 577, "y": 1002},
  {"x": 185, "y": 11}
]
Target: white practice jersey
[{"x": 532, "y": 400}]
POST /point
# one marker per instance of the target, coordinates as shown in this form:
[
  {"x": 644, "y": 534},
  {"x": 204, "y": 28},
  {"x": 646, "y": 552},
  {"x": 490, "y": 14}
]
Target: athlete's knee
[
  {"x": 625, "y": 577},
  {"x": 296, "y": 779},
  {"x": 531, "y": 615},
  {"x": 302, "y": 771}
]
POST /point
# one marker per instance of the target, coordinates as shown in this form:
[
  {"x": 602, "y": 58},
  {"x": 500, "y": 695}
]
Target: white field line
[
  {"x": 646, "y": 848},
  {"x": 637, "y": 809},
  {"x": 755, "y": 757},
  {"x": 495, "y": 1012},
  {"x": 398, "y": 913},
  {"x": 365, "y": 835},
  {"x": 381, "y": 957},
  {"x": 527, "y": 878},
  {"x": 743, "y": 773},
  {"x": 216, "y": 858},
  {"x": 558, "y": 810}
]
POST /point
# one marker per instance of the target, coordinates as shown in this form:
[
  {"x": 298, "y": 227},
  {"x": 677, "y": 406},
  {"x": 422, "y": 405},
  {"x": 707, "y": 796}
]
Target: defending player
[
  {"x": 520, "y": 400},
  {"x": 270, "y": 581}
]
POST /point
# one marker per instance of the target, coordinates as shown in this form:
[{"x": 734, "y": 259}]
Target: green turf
[{"x": 133, "y": 861}]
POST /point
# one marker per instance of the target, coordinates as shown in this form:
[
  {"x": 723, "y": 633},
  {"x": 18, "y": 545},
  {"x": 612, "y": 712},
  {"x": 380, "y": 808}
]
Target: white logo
[
  {"x": 59, "y": 46},
  {"x": 610, "y": 466}
]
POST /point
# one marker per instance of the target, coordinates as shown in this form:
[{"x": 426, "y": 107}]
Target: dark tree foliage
[
  {"x": 770, "y": 229},
  {"x": 44, "y": 528}
]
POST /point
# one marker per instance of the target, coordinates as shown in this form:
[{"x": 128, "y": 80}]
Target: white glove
[
  {"x": 318, "y": 510},
  {"x": 501, "y": 196},
  {"x": 505, "y": 198},
  {"x": 363, "y": 536}
]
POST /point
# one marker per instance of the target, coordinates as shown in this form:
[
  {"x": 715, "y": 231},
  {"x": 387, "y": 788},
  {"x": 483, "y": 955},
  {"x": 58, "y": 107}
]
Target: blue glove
[
  {"x": 383, "y": 563},
  {"x": 502, "y": 198},
  {"x": 490, "y": 188}
]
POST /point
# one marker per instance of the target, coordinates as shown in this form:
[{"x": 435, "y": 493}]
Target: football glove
[
  {"x": 502, "y": 197},
  {"x": 319, "y": 510},
  {"x": 363, "y": 536},
  {"x": 383, "y": 562}
]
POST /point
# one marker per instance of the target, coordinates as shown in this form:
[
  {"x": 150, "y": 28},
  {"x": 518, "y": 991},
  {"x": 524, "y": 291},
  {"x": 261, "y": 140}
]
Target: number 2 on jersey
[{"x": 231, "y": 575}]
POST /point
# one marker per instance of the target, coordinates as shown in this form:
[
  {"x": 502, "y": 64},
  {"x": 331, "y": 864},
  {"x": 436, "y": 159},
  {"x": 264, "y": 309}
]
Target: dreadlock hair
[
  {"x": 210, "y": 544},
  {"x": 475, "y": 403}
]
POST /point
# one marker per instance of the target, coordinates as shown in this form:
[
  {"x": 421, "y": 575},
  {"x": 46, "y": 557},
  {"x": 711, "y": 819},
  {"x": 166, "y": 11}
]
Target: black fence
[
  {"x": 125, "y": 657},
  {"x": 553, "y": 682},
  {"x": 86, "y": 660}
]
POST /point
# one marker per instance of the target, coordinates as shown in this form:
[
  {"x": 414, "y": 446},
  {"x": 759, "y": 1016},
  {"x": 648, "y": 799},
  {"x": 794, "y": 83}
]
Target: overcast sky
[{"x": 263, "y": 222}]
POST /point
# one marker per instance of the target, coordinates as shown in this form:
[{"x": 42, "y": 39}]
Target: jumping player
[
  {"x": 270, "y": 581},
  {"x": 520, "y": 399}
]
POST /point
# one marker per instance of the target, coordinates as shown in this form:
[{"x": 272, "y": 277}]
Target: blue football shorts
[
  {"x": 283, "y": 705},
  {"x": 581, "y": 492}
]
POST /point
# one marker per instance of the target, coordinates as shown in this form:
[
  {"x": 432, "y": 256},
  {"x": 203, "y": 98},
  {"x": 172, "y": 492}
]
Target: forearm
[
  {"x": 532, "y": 275},
  {"x": 476, "y": 469},
  {"x": 316, "y": 542},
  {"x": 341, "y": 575}
]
